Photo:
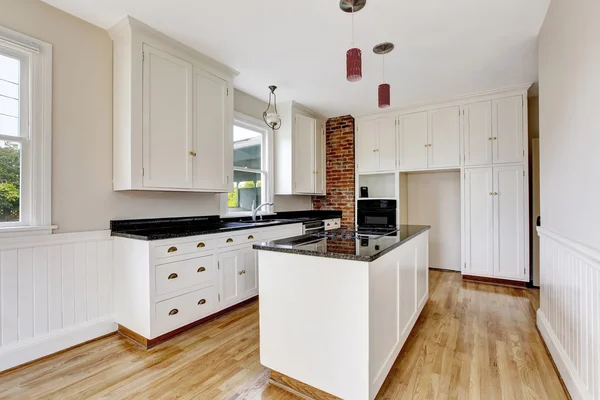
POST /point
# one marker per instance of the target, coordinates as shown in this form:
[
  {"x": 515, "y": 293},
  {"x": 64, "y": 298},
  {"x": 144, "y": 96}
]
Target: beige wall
[
  {"x": 569, "y": 75},
  {"x": 434, "y": 199},
  {"x": 82, "y": 196}
]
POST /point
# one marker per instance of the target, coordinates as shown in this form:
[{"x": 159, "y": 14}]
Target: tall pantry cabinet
[{"x": 173, "y": 114}]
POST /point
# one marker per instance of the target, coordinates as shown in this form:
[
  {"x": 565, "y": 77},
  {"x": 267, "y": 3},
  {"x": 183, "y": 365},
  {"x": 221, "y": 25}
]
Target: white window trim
[
  {"x": 267, "y": 154},
  {"x": 39, "y": 169}
]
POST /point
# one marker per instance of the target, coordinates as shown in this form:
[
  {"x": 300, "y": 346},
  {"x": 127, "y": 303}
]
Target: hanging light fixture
[
  {"x": 383, "y": 94},
  {"x": 354, "y": 55},
  {"x": 270, "y": 115}
]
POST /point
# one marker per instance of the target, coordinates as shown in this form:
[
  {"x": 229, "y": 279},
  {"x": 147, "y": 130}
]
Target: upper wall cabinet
[
  {"x": 173, "y": 114},
  {"x": 300, "y": 151},
  {"x": 375, "y": 147},
  {"x": 493, "y": 132},
  {"x": 429, "y": 140}
]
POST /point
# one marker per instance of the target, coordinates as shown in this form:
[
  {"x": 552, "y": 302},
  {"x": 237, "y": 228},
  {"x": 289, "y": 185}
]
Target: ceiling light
[
  {"x": 270, "y": 115},
  {"x": 383, "y": 91},
  {"x": 354, "y": 55}
]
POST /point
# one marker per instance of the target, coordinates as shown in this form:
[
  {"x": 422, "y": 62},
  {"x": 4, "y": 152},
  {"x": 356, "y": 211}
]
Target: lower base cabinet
[{"x": 164, "y": 285}]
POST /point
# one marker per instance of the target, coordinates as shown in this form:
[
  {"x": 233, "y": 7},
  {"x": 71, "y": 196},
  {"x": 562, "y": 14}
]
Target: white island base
[{"x": 338, "y": 325}]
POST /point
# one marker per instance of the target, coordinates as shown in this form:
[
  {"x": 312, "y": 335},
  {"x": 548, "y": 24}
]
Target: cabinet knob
[
  {"x": 490, "y": 139},
  {"x": 242, "y": 272},
  {"x": 495, "y": 193},
  {"x": 172, "y": 249},
  {"x": 491, "y": 193},
  {"x": 173, "y": 276},
  {"x": 229, "y": 240},
  {"x": 203, "y": 301},
  {"x": 429, "y": 145},
  {"x": 495, "y": 138},
  {"x": 201, "y": 269},
  {"x": 173, "y": 311},
  {"x": 193, "y": 154},
  {"x": 200, "y": 245},
  {"x": 250, "y": 237},
  {"x": 425, "y": 145}
]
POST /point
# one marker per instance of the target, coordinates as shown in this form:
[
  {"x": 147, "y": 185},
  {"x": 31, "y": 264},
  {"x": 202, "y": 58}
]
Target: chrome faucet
[{"x": 255, "y": 210}]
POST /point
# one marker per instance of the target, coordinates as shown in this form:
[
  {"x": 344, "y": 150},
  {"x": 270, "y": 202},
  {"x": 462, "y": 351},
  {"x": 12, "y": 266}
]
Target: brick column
[{"x": 340, "y": 170}]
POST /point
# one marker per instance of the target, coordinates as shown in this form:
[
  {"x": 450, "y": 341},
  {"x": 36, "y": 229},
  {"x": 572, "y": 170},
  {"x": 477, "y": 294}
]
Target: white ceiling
[{"x": 443, "y": 48}]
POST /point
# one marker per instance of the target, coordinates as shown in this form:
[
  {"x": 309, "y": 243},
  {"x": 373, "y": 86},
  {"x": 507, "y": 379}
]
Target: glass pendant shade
[
  {"x": 270, "y": 115},
  {"x": 272, "y": 119},
  {"x": 384, "y": 95},
  {"x": 354, "y": 65}
]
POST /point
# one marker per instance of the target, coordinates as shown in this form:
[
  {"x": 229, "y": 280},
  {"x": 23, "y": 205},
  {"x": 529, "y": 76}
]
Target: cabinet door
[
  {"x": 479, "y": 222},
  {"x": 250, "y": 272},
  {"x": 231, "y": 265},
  {"x": 166, "y": 120},
  {"x": 320, "y": 168},
  {"x": 212, "y": 134},
  {"x": 477, "y": 128},
  {"x": 304, "y": 154},
  {"x": 507, "y": 130},
  {"x": 444, "y": 138},
  {"x": 366, "y": 146},
  {"x": 509, "y": 259},
  {"x": 412, "y": 141},
  {"x": 386, "y": 150}
]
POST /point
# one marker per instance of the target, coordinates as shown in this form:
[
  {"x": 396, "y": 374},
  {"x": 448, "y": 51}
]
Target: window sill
[{"x": 20, "y": 231}]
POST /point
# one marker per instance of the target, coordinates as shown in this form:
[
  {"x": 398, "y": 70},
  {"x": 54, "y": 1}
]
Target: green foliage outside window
[{"x": 10, "y": 182}]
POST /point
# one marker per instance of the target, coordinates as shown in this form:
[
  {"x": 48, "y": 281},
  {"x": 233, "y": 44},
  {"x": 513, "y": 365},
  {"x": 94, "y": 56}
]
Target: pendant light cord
[
  {"x": 383, "y": 68},
  {"x": 352, "y": 24}
]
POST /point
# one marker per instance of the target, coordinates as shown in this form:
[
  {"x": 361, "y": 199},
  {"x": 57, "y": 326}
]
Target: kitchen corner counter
[{"x": 361, "y": 249}]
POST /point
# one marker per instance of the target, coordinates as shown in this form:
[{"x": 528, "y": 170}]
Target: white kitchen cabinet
[
  {"x": 231, "y": 264},
  {"x": 507, "y": 130},
  {"x": 172, "y": 114},
  {"x": 477, "y": 128},
  {"x": 412, "y": 141},
  {"x": 479, "y": 221},
  {"x": 167, "y": 120},
  {"x": 300, "y": 152},
  {"x": 443, "y": 147},
  {"x": 376, "y": 145},
  {"x": 509, "y": 241},
  {"x": 494, "y": 228},
  {"x": 250, "y": 273}
]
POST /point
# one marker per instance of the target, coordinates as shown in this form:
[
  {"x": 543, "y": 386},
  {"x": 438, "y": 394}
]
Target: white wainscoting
[
  {"x": 569, "y": 314},
  {"x": 56, "y": 291}
]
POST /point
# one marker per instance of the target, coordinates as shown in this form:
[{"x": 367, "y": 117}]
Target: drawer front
[
  {"x": 187, "y": 273},
  {"x": 187, "y": 247},
  {"x": 182, "y": 310},
  {"x": 238, "y": 238}
]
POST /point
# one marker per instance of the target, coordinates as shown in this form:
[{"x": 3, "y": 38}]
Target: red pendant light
[
  {"x": 354, "y": 55},
  {"x": 383, "y": 92}
]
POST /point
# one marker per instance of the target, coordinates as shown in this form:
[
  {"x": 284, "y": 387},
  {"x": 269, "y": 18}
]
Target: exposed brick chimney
[{"x": 339, "y": 169}]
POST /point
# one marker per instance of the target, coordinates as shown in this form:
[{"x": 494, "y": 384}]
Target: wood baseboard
[
  {"x": 298, "y": 388},
  {"x": 149, "y": 343},
  {"x": 495, "y": 281}
]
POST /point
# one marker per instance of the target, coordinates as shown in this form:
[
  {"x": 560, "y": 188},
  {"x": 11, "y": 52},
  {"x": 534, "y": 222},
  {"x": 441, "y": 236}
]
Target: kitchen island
[{"x": 336, "y": 308}]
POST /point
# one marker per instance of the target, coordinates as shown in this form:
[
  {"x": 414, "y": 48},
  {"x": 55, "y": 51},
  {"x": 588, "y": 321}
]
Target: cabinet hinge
[
  {"x": 218, "y": 264},
  {"x": 524, "y": 272},
  {"x": 143, "y": 56},
  {"x": 523, "y": 173},
  {"x": 227, "y": 91},
  {"x": 523, "y": 153},
  {"x": 465, "y": 265},
  {"x": 143, "y": 172},
  {"x": 219, "y": 296}
]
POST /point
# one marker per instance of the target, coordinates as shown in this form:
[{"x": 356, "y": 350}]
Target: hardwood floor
[{"x": 472, "y": 341}]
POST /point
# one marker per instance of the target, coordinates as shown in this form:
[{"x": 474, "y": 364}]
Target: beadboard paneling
[
  {"x": 55, "y": 291},
  {"x": 569, "y": 314}
]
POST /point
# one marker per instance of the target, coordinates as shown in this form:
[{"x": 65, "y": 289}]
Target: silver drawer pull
[
  {"x": 173, "y": 276},
  {"x": 201, "y": 269},
  {"x": 203, "y": 301},
  {"x": 173, "y": 311}
]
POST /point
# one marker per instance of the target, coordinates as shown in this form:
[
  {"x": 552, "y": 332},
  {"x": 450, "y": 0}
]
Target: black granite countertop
[
  {"x": 362, "y": 249},
  {"x": 168, "y": 228}
]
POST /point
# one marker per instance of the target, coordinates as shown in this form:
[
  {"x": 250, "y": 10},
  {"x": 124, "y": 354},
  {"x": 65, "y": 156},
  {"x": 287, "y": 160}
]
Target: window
[
  {"x": 25, "y": 123},
  {"x": 251, "y": 167}
]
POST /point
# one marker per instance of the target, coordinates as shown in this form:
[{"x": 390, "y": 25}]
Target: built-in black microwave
[{"x": 376, "y": 213}]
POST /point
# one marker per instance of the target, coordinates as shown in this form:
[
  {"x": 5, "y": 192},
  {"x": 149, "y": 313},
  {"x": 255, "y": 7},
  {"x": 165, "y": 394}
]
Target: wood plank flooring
[{"x": 472, "y": 341}]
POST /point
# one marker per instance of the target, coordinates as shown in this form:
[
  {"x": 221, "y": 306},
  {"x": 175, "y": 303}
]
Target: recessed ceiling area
[{"x": 442, "y": 49}]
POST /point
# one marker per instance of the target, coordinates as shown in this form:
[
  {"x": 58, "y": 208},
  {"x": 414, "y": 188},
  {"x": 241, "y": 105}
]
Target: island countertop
[{"x": 359, "y": 249}]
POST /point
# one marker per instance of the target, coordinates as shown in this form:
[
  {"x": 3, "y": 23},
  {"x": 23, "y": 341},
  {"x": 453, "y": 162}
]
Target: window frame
[
  {"x": 254, "y": 124},
  {"x": 35, "y": 102}
]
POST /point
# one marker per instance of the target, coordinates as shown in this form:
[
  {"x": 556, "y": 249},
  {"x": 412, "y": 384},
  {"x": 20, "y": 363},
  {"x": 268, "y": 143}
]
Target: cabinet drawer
[
  {"x": 181, "y": 310},
  {"x": 181, "y": 274},
  {"x": 187, "y": 247},
  {"x": 238, "y": 238}
]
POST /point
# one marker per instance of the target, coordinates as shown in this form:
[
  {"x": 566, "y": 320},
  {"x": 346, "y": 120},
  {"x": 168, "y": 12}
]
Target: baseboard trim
[
  {"x": 298, "y": 388},
  {"x": 561, "y": 361},
  {"x": 495, "y": 281},
  {"x": 31, "y": 350},
  {"x": 149, "y": 343}
]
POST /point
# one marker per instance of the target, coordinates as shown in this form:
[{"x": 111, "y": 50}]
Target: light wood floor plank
[{"x": 472, "y": 341}]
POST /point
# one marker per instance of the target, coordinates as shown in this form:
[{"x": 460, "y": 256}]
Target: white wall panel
[
  {"x": 55, "y": 292},
  {"x": 569, "y": 314}
]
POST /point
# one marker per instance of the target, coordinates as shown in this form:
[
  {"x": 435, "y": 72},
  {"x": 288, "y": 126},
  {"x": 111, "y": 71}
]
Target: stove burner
[{"x": 344, "y": 234}]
